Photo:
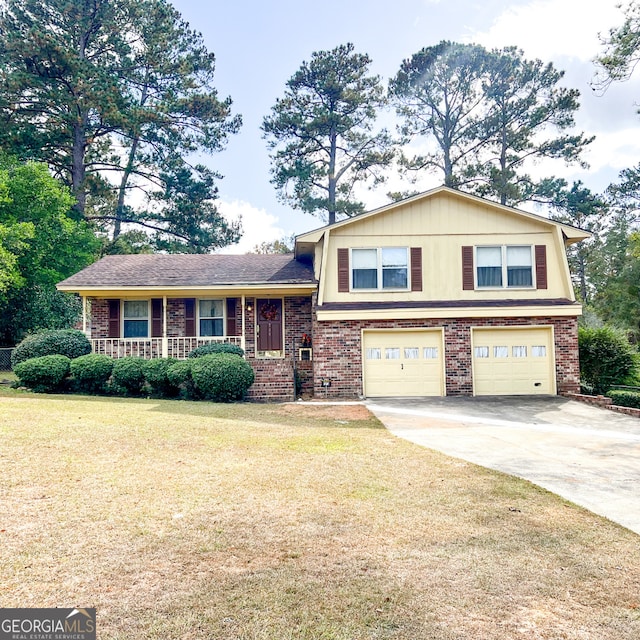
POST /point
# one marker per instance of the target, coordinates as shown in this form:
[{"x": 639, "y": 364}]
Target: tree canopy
[
  {"x": 322, "y": 134},
  {"x": 42, "y": 241},
  {"x": 488, "y": 115},
  {"x": 116, "y": 96}
]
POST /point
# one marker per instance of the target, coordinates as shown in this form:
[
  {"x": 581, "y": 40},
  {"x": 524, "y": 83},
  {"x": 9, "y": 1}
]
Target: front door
[{"x": 269, "y": 324}]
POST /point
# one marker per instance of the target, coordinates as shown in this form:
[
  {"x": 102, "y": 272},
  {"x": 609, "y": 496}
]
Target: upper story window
[
  {"x": 211, "y": 314},
  {"x": 382, "y": 268},
  {"x": 504, "y": 266},
  {"x": 135, "y": 318}
]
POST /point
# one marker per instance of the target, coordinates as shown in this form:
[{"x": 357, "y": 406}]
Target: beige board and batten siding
[
  {"x": 441, "y": 225},
  {"x": 513, "y": 361},
  {"x": 403, "y": 363}
]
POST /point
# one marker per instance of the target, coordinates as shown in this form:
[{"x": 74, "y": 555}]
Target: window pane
[
  {"x": 500, "y": 352},
  {"x": 365, "y": 278},
  {"x": 374, "y": 353},
  {"x": 519, "y": 277},
  {"x": 539, "y": 351},
  {"x": 430, "y": 353},
  {"x": 211, "y": 309},
  {"x": 364, "y": 258},
  {"x": 489, "y": 276},
  {"x": 392, "y": 353},
  {"x": 135, "y": 328},
  {"x": 136, "y": 308},
  {"x": 211, "y": 327},
  {"x": 394, "y": 257},
  {"x": 411, "y": 353},
  {"x": 481, "y": 352},
  {"x": 519, "y": 352},
  {"x": 489, "y": 256},
  {"x": 518, "y": 256},
  {"x": 394, "y": 278}
]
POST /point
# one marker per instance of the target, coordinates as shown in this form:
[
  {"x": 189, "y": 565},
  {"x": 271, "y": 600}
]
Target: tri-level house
[{"x": 440, "y": 294}]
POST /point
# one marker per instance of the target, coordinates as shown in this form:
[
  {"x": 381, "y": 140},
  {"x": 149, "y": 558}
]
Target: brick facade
[{"x": 338, "y": 352}]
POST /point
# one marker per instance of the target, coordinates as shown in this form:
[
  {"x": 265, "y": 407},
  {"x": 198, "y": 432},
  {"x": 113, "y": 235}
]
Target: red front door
[{"x": 269, "y": 322}]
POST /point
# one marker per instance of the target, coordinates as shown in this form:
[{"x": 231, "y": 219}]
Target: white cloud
[
  {"x": 258, "y": 226},
  {"x": 548, "y": 29}
]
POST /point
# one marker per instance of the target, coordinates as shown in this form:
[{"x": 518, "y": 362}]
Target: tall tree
[
  {"x": 527, "y": 115},
  {"x": 622, "y": 52},
  {"x": 115, "y": 96},
  {"x": 581, "y": 208},
  {"x": 488, "y": 115},
  {"x": 438, "y": 94},
  {"x": 322, "y": 134},
  {"x": 41, "y": 242}
]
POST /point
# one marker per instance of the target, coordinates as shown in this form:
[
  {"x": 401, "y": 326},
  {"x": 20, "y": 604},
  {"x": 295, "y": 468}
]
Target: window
[
  {"x": 519, "y": 351},
  {"x": 392, "y": 353},
  {"x": 373, "y": 353},
  {"x": 211, "y": 314},
  {"x": 430, "y": 353},
  {"x": 411, "y": 353},
  {"x": 500, "y": 352},
  {"x": 539, "y": 351},
  {"x": 481, "y": 352},
  {"x": 384, "y": 268},
  {"x": 509, "y": 266},
  {"x": 135, "y": 317}
]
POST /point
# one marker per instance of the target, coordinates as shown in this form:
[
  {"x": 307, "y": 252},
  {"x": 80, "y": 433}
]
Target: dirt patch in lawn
[{"x": 189, "y": 520}]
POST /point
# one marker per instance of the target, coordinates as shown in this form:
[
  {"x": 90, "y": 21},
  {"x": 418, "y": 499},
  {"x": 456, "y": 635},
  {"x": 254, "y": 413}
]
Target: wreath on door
[{"x": 269, "y": 311}]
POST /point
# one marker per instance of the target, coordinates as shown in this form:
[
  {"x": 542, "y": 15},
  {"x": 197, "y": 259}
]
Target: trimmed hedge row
[
  {"x": 625, "y": 398},
  {"x": 221, "y": 377},
  {"x": 66, "y": 342}
]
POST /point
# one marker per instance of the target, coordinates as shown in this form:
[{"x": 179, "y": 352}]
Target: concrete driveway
[{"x": 587, "y": 455}]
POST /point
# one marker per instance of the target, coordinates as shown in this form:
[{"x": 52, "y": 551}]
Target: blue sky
[{"x": 259, "y": 45}]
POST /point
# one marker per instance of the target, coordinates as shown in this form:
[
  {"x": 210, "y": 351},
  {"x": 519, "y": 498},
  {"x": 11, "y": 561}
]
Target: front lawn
[{"x": 192, "y": 521}]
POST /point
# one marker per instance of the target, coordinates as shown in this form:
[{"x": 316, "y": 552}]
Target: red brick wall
[{"x": 338, "y": 352}]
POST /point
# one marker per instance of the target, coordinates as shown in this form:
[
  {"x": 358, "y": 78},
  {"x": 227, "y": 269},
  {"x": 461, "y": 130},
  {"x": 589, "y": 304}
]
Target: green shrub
[
  {"x": 222, "y": 377},
  {"x": 66, "y": 342},
  {"x": 127, "y": 377},
  {"x": 625, "y": 398},
  {"x": 606, "y": 357},
  {"x": 155, "y": 373},
  {"x": 216, "y": 347},
  {"x": 179, "y": 376},
  {"x": 91, "y": 373},
  {"x": 45, "y": 374}
]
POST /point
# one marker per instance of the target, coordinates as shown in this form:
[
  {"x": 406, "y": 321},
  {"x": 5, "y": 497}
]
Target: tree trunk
[
  {"x": 78, "y": 169},
  {"x": 332, "y": 178}
]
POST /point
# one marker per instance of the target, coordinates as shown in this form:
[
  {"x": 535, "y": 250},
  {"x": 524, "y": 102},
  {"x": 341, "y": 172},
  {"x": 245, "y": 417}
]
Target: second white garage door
[
  {"x": 513, "y": 361},
  {"x": 403, "y": 363}
]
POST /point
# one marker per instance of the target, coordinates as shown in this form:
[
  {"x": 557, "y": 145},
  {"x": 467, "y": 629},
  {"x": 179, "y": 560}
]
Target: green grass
[{"x": 185, "y": 520}]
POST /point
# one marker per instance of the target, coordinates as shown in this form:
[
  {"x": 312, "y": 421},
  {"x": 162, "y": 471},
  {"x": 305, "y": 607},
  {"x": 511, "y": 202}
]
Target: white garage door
[
  {"x": 403, "y": 363},
  {"x": 513, "y": 361}
]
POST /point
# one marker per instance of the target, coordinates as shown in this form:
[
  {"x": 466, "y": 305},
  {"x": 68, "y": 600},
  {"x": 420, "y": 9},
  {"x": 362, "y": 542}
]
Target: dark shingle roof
[{"x": 159, "y": 270}]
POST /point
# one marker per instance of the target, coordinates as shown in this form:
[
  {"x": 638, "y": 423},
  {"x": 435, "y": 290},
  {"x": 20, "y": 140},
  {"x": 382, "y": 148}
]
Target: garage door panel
[
  {"x": 403, "y": 363},
  {"x": 513, "y": 361}
]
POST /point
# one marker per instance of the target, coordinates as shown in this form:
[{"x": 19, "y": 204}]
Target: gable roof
[
  {"x": 190, "y": 270},
  {"x": 572, "y": 234}
]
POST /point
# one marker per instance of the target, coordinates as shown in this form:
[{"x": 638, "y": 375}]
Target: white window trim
[
  {"x": 224, "y": 318},
  {"x": 505, "y": 277},
  {"x": 379, "y": 288},
  {"x": 122, "y": 318}
]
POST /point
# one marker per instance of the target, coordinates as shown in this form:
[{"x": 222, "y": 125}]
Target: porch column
[
  {"x": 165, "y": 340},
  {"x": 84, "y": 315},
  {"x": 243, "y": 323}
]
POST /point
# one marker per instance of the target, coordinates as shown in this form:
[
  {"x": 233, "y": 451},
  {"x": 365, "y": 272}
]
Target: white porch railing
[
  {"x": 156, "y": 347},
  {"x": 181, "y": 347}
]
